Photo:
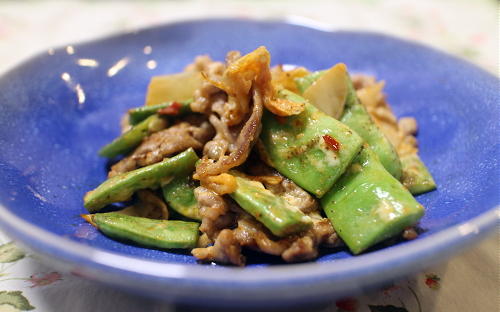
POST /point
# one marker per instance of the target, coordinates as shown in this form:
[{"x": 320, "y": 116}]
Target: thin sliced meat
[
  {"x": 205, "y": 95},
  {"x": 214, "y": 211},
  {"x": 241, "y": 74},
  {"x": 400, "y": 133},
  {"x": 301, "y": 249},
  {"x": 296, "y": 248},
  {"x": 305, "y": 246},
  {"x": 243, "y": 145},
  {"x": 225, "y": 250},
  {"x": 251, "y": 233},
  {"x": 286, "y": 188},
  {"x": 216, "y": 148},
  {"x": 164, "y": 143}
]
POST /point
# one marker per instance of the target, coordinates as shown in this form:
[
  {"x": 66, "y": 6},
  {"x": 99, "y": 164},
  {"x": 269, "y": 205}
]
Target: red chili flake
[
  {"x": 347, "y": 304},
  {"x": 432, "y": 281},
  {"x": 172, "y": 110},
  {"x": 281, "y": 120},
  {"x": 331, "y": 143}
]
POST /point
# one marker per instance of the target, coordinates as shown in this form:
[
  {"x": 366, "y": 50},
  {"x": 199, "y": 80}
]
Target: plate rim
[{"x": 443, "y": 243}]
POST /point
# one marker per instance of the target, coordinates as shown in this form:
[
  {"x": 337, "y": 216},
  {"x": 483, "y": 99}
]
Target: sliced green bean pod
[
  {"x": 133, "y": 137},
  {"x": 368, "y": 205},
  {"x": 305, "y": 82},
  {"x": 138, "y": 114},
  {"x": 121, "y": 187},
  {"x": 312, "y": 148},
  {"x": 271, "y": 210},
  {"x": 416, "y": 178},
  {"x": 163, "y": 234},
  {"x": 179, "y": 195},
  {"x": 358, "y": 119}
]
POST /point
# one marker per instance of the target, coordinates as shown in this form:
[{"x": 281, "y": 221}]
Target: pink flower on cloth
[
  {"x": 432, "y": 281},
  {"x": 44, "y": 279}
]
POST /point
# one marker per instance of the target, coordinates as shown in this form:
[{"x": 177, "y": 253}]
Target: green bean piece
[
  {"x": 357, "y": 118},
  {"x": 179, "y": 195},
  {"x": 303, "y": 83},
  {"x": 368, "y": 205},
  {"x": 271, "y": 210},
  {"x": 163, "y": 234},
  {"x": 312, "y": 149},
  {"x": 138, "y": 114},
  {"x": 121, "y": 187},
  {"x": 133, "y": 137},
  {"x": 416, "y": 177}
]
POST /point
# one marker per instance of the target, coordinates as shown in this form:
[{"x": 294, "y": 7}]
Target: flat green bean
[
  {"x": 133, "y": 137},
  {"x": 164, "y": 234},
  {"x": 121, "y": 187},
  {"x": 271, "y": 210},
  {"x": 368, "y": 205},
  {"x": 138, "y": 114}
]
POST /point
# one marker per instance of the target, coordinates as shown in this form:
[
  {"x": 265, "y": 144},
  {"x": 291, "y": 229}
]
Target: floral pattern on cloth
[
  {"x": 11, "y": 300},
  {"x": 15, "y": 300},
  {"x": 16, "y": 288}
]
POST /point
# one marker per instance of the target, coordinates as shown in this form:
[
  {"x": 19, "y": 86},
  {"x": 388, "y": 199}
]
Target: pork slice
[{"x": 164, "y": 143}]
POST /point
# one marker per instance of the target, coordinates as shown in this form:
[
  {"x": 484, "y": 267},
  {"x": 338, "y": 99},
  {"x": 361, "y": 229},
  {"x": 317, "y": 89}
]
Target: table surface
[{"x": 468, "y": 282}]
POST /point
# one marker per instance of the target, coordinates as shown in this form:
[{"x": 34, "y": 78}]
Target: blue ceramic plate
[{"x": 59, "y": 108}]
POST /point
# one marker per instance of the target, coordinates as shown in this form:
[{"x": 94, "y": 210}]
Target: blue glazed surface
[{"x": 56, "y": 114}]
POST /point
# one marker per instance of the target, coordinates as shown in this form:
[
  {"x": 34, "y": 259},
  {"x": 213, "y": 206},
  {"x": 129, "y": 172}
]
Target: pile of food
[{"x": 233, "y": 155}]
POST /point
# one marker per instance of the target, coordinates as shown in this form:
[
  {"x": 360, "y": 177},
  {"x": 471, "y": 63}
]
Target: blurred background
[{"x": 467, "y": 28}]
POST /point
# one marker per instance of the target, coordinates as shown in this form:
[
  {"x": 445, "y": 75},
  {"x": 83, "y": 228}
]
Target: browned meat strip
[
  {"x": 216, "y": 148},
  {"x": 214, "y": 211},
  {"x": 244, "y": 78},
  {"x": 302, "y": 249},
  {"x": 292, "y": 193},
  {"x": 400, "y": 133},
  {"x": 410, "y": 233},
  {"x": 250, "y": 233},
  {"x": 225, "y": 250},
  {"x": 205, "y": 95},
  {"x": 164, "y": 143},
  {"x": 305, "y": 246},
  {"x": 243, "y": 145},
  {"x": 203, "y": 63},
  {"x": 323, "y": 232}
]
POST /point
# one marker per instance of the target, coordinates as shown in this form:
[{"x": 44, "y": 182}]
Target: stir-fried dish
[{"x": 236, "y": 155}]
